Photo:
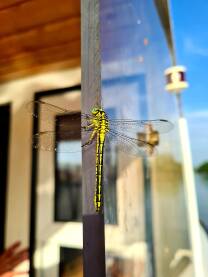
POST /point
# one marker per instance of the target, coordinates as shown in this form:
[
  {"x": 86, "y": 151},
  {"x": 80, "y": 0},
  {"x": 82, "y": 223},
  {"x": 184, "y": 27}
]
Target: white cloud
[
  {"x": 200, "y": 114},
  {"x": 193, "y": 48}
]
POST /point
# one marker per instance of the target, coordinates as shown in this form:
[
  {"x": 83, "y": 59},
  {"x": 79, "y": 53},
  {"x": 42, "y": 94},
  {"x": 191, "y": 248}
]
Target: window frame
[{"x": 34, "y": 170}]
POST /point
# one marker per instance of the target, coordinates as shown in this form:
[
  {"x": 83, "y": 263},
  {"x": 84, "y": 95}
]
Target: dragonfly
[{"x": 97, "y": 127}]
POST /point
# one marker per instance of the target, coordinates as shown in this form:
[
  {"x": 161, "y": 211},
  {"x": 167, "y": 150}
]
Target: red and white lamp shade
[{"x": 176, "y": 79}]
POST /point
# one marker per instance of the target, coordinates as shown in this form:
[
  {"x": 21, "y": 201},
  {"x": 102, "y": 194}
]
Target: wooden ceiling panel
[
  {"x": 42, "y": 56},
  {"x": 41, "y": 37},
  {"x": 37, "y": 34},
  {"x": 6, "y": 4},
  {"x": 35, "y": 13},
  {"x": 64, "y": 56}
]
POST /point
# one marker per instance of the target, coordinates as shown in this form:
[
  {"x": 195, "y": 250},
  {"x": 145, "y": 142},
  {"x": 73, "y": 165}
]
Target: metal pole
[
  {"x": 193, "y": 215},
  {"x": 179, "y": 104}
]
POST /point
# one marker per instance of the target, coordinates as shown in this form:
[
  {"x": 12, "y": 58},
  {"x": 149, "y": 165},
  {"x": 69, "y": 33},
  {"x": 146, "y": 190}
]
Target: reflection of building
[{"x": 147, "y": 232}]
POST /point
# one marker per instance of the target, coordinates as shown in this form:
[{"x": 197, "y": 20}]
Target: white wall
[{"x": 18, "y": 93}]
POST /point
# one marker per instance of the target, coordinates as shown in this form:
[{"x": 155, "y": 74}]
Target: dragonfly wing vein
[
  {"x": 129, "y": 145},
  {"x": 162, "y": 126},
  {"x": 48, "y": 113},
  {"x": 49, "y": 141}
]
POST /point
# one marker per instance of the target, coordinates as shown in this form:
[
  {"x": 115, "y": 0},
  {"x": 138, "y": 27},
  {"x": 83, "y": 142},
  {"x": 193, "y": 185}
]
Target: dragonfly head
[{"x": 96, "y": 110}]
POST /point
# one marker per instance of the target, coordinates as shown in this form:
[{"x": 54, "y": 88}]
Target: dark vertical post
[
  {"x": 93, "y": 223},
  {"x": 4, "y": 145},
  {"x": 148, "y": 216},
  {"x": 33, "y": 198}
]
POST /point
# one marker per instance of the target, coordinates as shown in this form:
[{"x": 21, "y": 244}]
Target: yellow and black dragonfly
[{"x": 135, "y": 137}]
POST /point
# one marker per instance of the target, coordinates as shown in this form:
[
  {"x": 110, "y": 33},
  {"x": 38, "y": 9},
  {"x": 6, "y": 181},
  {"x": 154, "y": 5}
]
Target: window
[{"x": 68, "y": 179}]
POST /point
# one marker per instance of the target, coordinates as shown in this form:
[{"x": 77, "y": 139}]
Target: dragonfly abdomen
[{"x": 98, "y": 197}]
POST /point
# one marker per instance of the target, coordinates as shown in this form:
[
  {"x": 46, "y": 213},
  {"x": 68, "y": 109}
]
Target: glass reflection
[
  {"x": 68, "y": 194},
  {"x": 68, "y": 179},
  {"x": 59, "y": 196},
  {"x": 151, "y": 228}
]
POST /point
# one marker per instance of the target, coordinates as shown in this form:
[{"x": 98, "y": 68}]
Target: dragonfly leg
[
  {"x": 88, "y": 127},
  {"x": 90, "y": 139}
]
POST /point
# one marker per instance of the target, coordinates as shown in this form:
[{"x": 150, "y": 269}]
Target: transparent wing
[
  {"x": 47, "y": 107},
  {"x": 127, "y": 125},
  {"x": 49, "y": 113},
  {"x": 62, "y": 142},
  {"x": 131, "y": 146}
]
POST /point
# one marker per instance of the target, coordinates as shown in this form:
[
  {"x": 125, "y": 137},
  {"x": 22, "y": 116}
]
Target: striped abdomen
[{"x": 98, "y": 197}]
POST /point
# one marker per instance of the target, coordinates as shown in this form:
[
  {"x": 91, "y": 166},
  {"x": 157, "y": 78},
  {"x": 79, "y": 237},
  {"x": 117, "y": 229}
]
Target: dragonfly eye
[{"x": 95, "y": 111}]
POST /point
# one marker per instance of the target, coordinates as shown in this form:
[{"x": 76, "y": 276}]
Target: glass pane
[
  {"x": 58, "y": 233},
  {"x": 151, "y": 229},
  {"x": 68, "y": 181},
  {"x": 195, "y": 100}
]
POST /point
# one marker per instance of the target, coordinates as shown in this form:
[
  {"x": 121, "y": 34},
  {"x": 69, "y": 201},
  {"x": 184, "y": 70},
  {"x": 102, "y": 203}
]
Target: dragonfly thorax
[{"x": 100, "y": 120}]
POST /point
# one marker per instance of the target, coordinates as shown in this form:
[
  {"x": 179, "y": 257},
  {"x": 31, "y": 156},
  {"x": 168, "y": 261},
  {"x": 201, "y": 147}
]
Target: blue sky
[{"x": 190, "y": 21}]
